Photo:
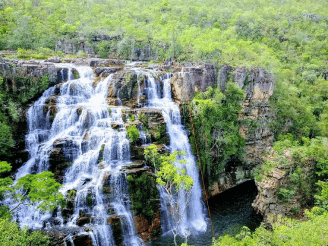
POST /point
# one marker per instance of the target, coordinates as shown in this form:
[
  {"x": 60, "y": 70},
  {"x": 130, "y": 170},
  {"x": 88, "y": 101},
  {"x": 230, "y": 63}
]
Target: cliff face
[
  {"x": 186, "y": 80},
  {"x": 258, "y": 86},
  {"x": 284, "y": 190},
  {"x": 191, "y": 80}
]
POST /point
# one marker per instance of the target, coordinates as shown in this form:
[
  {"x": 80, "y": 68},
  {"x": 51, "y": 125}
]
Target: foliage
[
  {"x": 71, "y": 194},
  {"x": 285, "y": 194},
  {"x": 39, "y": 54},
  {"x": 285, "y": 232},
  {"x": 13, "y": 99},
  {"x": 11, "y": 234},
  {"x": 173, "y": 179},
  {"x": 159, "y": 133},
  {"x": 133, "y": 133},
  {"x": 40, "y": 188},
  {"x": 216, "y": 124},
  {"x": 264, "y": 170},
  {"x": 143, "y": 193},
  {"x": 6, "y": 138},
  {"x": 4, "y": 167},
  {"x": 144, "y": 120},
  {"x": 303, "y": 156},
  {"x": 169, "y": 175},
  {"x": 132, "y": 117}
]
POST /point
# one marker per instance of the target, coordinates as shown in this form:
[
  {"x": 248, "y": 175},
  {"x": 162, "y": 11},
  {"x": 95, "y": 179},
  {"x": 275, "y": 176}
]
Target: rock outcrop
[
  {"x": 190, "y": 80},
  {"x": 186, "y": 81},
  {"x": 258, "y": 86},
  {"x": 285, "y": 190}
]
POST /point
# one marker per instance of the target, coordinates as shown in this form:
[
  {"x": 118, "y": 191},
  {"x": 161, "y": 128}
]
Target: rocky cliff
[
  {"x": 286, "y": 189},
  {"x": 258, "y": 86},
  {"x": 186, "y": 80}
]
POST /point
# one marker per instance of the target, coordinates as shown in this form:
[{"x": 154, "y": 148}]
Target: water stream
[{"x": 82, "y": 127}]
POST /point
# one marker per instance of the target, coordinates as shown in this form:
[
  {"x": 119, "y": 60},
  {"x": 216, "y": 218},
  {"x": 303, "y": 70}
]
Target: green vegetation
[
  {"x": 169, "y": 176},
  {"x": 11, "y": 234},
  {"x": 101, "y": 153},
  {"x": 309, "y": 186},
  {"x": 15, "y": 95},
  {"x": 226, "y": 31},
  {"x": 159, "y": 134},
  {"x": 132, "y": 117},
  {"x": 89, "y": 200},
  {"x": 303, "y": 157},
  {"x": 133, "y": 133},
  {"x": 39, "y": 54},
  {"x": 40, "y": 187},
  {"x": 285, "y": 232},
  {"x": 172, "y": 179},
  {"x": 144, "y": 120},
  {"x": 216, "y": 127},
  {"x": 71, "y": 194},
  {"x": 287, "y": 37},
  {"x": 144, "y": 194}
]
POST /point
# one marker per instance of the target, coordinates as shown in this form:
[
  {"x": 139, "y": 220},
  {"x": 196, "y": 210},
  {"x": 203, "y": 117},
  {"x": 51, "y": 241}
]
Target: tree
[
  {"x": 10, "y": 234},
  {"x": 41, "y": 187},
  {"x": 175, "y": 182}
]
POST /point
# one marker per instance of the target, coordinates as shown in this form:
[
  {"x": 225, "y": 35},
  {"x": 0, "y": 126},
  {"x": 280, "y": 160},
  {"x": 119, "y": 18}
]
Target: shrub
[
  {"x": 285, "y": 194},
  {"x": 11, "y": 234},
  {"x": 133, "y": 133}
]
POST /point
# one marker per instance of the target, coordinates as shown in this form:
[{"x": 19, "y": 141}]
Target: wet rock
[
  {"x": 54, "y": 60},
  {"x": 137, "y": 152},
  {"x": 135, "y": 164},
  {"x": 135, "y": 170},
  {"x": 82, "y": 240},
  {"x": 65, "y": 236},
  {"x": 148, "y": 231},
  {"x": 58, "y": 163},
  {"x": 136, "y": 123},
  {"x": 117, "y": 229},
  {"x": 115, "y": 126},
  {"x": 105, "y": 71},
  {"x": 124, "y": 88},
  {"x": 81, "y": 221},
  {"x": 56, "y": 237},
  {"x": 96, "y": 62}
]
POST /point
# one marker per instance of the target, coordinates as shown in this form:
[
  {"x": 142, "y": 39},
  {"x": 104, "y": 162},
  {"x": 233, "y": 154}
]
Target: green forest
[{"x": 288, "y": 38}]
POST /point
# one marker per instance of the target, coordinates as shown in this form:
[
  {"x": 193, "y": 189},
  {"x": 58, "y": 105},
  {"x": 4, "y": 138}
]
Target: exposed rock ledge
[
  {"x": 258, "y": 86},
  {"x": 187, "y": 79}
]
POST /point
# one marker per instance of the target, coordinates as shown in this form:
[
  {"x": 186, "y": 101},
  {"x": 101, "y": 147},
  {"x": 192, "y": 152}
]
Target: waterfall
[
  {"x": 194, "y": 218},
  {"x": 80, "y": 124}
]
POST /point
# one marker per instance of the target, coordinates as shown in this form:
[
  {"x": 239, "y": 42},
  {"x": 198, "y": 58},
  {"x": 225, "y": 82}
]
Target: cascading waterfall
[
  {"x": 194, "y": 219},
  {"x": 82, "y": 125},
  {"x": 81, "y": 110}
]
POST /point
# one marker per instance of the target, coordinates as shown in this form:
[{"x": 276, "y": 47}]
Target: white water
[
  {"x": 85, "y": 175},
  {"x": 194, "y": 219}
]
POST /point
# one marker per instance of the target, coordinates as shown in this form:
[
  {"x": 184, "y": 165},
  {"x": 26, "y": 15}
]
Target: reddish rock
[{"x": 148, "y": 231}]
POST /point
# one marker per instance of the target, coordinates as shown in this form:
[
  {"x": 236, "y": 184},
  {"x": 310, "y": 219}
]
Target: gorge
[{"x": 78, "y": 130}]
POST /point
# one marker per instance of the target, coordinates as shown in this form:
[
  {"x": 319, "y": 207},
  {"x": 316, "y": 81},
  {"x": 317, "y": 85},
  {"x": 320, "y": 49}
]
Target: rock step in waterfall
[{"x": 77, "y": 130}]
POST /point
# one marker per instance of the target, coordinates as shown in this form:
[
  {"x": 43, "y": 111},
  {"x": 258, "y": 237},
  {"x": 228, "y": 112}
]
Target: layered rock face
[
  {"x": 258, "y": 85},
  {"x": 190, "y": 80},
  {"x": 186, "y": 80},
  {"x": 273, "y": 200}
]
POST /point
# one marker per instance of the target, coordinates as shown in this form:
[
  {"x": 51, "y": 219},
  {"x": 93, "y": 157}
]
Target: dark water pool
[{"x": 230, "y": 211}]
